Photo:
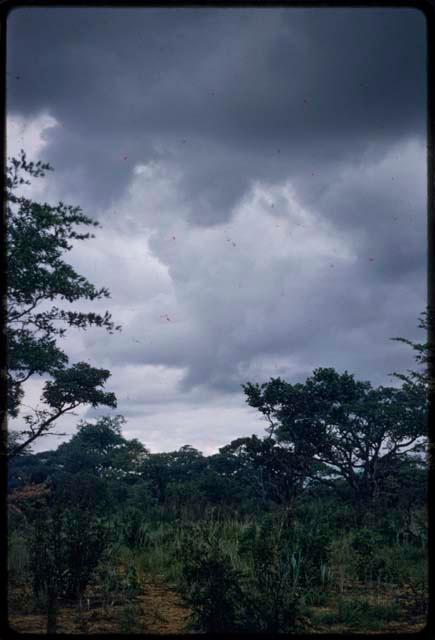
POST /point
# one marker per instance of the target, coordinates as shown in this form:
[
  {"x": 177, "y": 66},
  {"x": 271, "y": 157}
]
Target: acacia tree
[
  {"x": 40, "y": 286},
  {"x": 345, "y": 427}
]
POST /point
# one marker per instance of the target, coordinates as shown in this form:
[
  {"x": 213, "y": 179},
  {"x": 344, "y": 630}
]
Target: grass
[
  {"x": 334, "y": 597},
  {"x": 356, "y": 613}
]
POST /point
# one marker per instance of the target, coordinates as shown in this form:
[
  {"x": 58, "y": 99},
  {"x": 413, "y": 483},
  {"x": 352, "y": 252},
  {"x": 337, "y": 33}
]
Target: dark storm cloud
[
  {"x": 302, "y": 130},
  {"x": 228, "y": 95}
]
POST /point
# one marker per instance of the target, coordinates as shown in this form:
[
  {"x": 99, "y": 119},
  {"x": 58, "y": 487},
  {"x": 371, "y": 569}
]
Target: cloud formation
[{"x": 260, "y": 175}]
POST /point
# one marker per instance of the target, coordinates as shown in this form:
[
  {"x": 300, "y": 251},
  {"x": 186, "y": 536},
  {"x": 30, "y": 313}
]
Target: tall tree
[
  {"x": 347, "y": 428},
  {"x": 40, "y": 288}
]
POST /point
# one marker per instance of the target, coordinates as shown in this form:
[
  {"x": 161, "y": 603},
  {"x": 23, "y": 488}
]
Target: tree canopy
[
  {"x": 347, "y": 428},
  {"x": 41, "y": 286},
  {"x": 101, "y": 449}
]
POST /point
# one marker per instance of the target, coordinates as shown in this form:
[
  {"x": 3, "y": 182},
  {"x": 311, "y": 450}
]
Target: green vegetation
[
  {"x": 101, "y": 520},
  {"x": 320, "y": 524},
  {"x": 38, "y": 236}
]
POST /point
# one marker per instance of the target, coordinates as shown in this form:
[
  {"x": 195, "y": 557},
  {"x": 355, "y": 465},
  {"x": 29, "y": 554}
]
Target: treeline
[
  {"x": 249, "y": 474},
  {"x": 363, "y": 444}
]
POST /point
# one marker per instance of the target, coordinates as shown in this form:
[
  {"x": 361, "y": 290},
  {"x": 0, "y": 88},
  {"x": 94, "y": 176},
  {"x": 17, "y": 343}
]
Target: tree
[
  {"x": 164, "y": 471},
  {"x": 268, "y": 471},
  {"x": 40, "y": 287},
  {"x": 101, "y": 450},
  {"x": 423, "y": 353},
  {"x": 345, "y": 427}
]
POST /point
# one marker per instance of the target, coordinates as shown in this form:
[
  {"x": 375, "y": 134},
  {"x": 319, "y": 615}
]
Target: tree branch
[{"x": 40, "y": 430}]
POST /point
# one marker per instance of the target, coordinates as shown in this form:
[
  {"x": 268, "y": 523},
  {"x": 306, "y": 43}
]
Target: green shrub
[
  {"x": 212, "y": 586},
  {"x": 274, "y": 574},
  {"x": 401, "y": 563},
  {"x": 413, "y": 598},
  {"x": 241, "y": 578},
  {"x": 115, "y": 583},
  {"x": 132, "y": 528},
  {"x": 66, "y": 546},
  {"x": 369, "y": 564}
]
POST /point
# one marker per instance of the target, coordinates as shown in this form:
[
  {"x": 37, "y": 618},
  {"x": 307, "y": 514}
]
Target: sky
[{"x": 260, "y": 178}]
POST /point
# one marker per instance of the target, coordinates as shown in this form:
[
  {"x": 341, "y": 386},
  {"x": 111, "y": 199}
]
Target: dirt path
[{"x": 163, "y": 610}]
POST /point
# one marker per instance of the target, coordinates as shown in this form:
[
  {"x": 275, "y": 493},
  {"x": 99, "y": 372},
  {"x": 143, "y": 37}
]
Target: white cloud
[
  {"x": 31, "y": 135},
  {"x": 28, "y": 134}
]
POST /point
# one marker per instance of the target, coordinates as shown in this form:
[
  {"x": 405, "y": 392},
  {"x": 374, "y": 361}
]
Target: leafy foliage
[
  {"x": 424, "y": 353},
  {"x": 346, "y": 428},
  {"x": 66, "y": 546},
  {"x": 101, "y": 450},
  {"x": 212, "y": 584},
  {"x": 38, "y": 237}
]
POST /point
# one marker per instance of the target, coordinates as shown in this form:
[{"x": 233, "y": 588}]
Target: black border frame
[{"x": 427, "y": 7}]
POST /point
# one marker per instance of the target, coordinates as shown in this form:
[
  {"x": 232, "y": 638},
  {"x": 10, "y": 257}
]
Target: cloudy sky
[{"x": 260, "y": 178}]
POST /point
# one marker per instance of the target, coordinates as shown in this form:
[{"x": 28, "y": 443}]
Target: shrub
[
  {"x": 115, "y": 584},
  {"x": 212, "y": 585},
  {"x": 241, "y": 579},
  {"x": 274, "y": 600},
  {"x": 366, "y": 543},
  {"x": 66, "y": 546}
]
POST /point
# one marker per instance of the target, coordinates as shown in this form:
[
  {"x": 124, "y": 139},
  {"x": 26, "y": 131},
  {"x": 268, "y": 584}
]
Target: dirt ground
[{"x": 158, "y": 610}]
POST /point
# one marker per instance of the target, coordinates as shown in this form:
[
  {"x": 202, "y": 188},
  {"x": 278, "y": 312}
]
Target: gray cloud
[
  {"x": 262, "y": 87},
  {"x": 260, "y": 175},
  {"x": 278, "y": 283}
]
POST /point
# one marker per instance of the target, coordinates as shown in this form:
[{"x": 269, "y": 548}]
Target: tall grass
[{"x": 18, "y": 558}]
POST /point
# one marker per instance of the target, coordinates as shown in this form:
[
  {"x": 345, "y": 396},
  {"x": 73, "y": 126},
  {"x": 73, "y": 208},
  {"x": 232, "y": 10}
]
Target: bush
[
  {"x": 402, "y": 563},
  {"x": 66, "y": 546},
  {"x": 213, "y": 587},
  {"x": 132, "y": 528},
  {"x": 413, "y": 600},
  {"x": 241, "y": 579},
  {"x": 116, "y": 584},
  {"x": 274, "y": 599},
  {"x": 369, "y": 564}
]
